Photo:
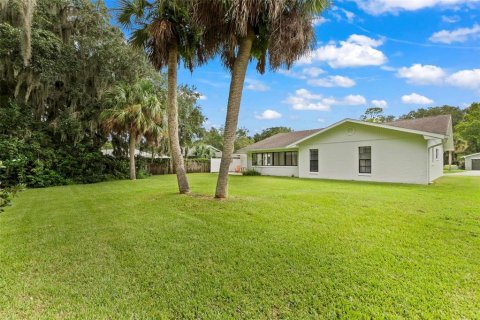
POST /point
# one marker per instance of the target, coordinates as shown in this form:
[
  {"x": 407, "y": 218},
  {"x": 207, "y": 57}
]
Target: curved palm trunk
[
  {"x": 131, "y": 153},
  {"x": 176, "y": 151},
  {"x": 233, "y": 108}
]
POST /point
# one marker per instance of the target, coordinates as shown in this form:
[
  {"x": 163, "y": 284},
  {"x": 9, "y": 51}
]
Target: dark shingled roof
[
  {"x": 280, "y": 140},
  {"x": 434, "y": 124}
]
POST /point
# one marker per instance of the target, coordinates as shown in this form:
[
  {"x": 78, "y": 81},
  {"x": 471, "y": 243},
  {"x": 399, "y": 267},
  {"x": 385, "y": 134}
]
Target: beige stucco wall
[{"x": 396, "y": 156}]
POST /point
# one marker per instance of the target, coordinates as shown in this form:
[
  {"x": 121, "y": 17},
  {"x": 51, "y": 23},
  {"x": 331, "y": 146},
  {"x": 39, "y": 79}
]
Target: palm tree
[
  {"x": 135, "y": 110},
  {"x": 280, "y": 30},
  {"x": 164, "y": 30}
]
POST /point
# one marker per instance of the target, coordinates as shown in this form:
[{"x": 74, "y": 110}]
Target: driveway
[{"x": 469, "y": 173}]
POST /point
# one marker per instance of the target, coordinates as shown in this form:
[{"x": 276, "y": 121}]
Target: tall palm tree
[
  {"x": 135, "y": 110},
  {"x": 278, "y": 30},
  {"x": 164, "y": 30}
]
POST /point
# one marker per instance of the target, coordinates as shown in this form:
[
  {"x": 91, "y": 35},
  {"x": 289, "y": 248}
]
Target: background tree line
[
  {"x": 52, "y": 97},
  {"x": 465, "y": 122}
]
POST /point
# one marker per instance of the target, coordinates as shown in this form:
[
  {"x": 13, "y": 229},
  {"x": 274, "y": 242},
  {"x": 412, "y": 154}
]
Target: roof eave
[{"x": 378, "y": 125}]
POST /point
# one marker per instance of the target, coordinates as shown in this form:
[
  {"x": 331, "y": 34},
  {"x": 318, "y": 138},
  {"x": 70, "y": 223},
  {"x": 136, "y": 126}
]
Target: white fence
[{"x": 238, "y": 164}]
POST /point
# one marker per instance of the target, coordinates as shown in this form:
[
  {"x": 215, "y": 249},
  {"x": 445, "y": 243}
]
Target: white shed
[{"x": 472, "y": 161}]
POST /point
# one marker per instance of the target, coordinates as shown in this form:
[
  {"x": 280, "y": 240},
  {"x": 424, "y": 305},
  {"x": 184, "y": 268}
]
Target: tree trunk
[
  {"x": 234, "y": 98},
  {"x": 131, "y": 153},
  {"x": 172, "y": 106}
]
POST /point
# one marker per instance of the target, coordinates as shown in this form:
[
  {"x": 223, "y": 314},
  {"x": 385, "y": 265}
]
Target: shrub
[{"x": 251, "y": 172}]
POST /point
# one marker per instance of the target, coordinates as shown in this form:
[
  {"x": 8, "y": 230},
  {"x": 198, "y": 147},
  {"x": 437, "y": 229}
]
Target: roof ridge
[{"x": 427, "y": 117}]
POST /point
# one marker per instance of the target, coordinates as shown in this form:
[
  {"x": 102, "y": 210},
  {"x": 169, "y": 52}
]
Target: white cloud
[
  {"x": 269, "y": 114},
  {"x": 376, "y": 7},
  {"x": 356, "y": 51},
  {"x": 305, "y": 73},
  {"x": 332, "y": 81},
  {"x": 341, "y": 14},
  {"x": 450, "y": 19},
  {"x": 457, "y": 35},
  {"x": 306, "y": 100},
  {"x": 379, "y": 103},
  {"x": 364, "y": 40},
  {"x": 255, "y": 85},
  {"x": 422, "y": 74},
  {"x": 469, "y": 79},
  {"x": 353, "y": 100},
  {"x": 202, "y": 97},
  {"x": 313, "y": 71},
  {"x": 415, "y": 98},
  {"x": 319, "y": 20}
]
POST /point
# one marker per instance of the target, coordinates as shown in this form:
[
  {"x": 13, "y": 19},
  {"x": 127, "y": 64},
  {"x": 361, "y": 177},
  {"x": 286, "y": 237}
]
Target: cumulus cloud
[
  {"x": 319, "y": 20},
  {"x": 269, "y": 114},
  {"x": 422, "y": 74},
  {"x": 376, "y": 7},
  {"x": 202, "y": 97},
  {"x": 450, "y": 19},
  {"x": 306, "y": 100},
  {"x": 356, "y": 51},
  {"x": 415, "y": 98},
  {"x": 332, "y": 81},
  {"x": 313, "y": 71},
  {"x": 469, "y": 79},
  {"x": 379, "y": 103},
  {"x": 255, "y": 85},
  {"x": 305, "y": 73},
  {"x": 457, "y": 35}
]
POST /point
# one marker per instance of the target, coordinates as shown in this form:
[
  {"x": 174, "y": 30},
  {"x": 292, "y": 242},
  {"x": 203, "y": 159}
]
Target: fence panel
[{"x": 191, "y": 165}]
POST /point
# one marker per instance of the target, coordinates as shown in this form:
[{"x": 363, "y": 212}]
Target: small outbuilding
[{"x": 472, "y": 161}]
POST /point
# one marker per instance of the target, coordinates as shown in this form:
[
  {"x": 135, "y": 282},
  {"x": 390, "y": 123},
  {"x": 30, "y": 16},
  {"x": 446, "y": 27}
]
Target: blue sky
[{"x": 396, "y": 54}]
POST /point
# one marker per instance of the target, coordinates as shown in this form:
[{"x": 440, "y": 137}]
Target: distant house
[
  {"x": 472, "y": 161},
  {"x": 215, "y": 153},
  {"x": 405, "y": 151}
]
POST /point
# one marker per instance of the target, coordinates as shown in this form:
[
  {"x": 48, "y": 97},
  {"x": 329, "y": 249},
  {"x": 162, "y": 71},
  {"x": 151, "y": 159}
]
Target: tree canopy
[{"x": 270, "y": 132}]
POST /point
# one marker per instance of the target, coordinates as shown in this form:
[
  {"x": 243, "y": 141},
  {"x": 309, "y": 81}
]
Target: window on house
[
  {"x": 437, "y": 154},
  {"x": 288, "y": 158},
  {"x": 281, "y": 159},
  {"x": 313, "y": 160},
  {"x": 365, "y": 159}
]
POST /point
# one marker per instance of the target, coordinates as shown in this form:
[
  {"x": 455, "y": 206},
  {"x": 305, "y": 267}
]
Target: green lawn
[
  {"x": 446, "y": 171},
  {"x": 279, "y": 248}
]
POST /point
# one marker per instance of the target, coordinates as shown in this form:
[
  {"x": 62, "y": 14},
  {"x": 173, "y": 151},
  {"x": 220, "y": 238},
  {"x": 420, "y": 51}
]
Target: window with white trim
[
  {"x": 365, "y": 160},
  {"x": 313, "y": 160}
]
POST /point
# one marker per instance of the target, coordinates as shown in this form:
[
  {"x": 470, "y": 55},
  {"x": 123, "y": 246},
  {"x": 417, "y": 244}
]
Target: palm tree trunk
[
  {"x": 131, "y": 153},
  {"x": 234, "y": 98},
  {"x": 176, "y": 151}
]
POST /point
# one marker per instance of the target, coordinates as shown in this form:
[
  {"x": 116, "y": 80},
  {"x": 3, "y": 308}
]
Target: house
[
  {"x": 404, "y": 151},
  {"x": 192, "y": 151},
  {"x": 472, "y": 161}
]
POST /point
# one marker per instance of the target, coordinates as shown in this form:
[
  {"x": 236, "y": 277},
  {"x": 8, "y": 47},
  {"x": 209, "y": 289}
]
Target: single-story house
[
  {"x": 404, "y": 151},
  {"x": 472, "y": 161},
  {"x": 191, "y": 152}
]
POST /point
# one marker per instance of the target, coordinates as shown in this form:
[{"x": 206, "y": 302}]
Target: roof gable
[{"x": 435, "y": 127}]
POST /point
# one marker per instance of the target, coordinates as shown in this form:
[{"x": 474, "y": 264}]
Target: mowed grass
[{"x": 278, "y": 248}]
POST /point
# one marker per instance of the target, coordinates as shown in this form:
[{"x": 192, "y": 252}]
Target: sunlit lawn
[{"x": 279, "y": 248}]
